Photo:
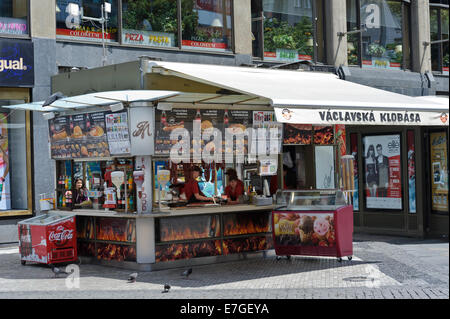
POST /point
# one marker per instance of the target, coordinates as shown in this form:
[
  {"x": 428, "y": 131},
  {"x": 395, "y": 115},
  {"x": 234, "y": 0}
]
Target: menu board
[
  {"x": 266, "y": 120},
  {"x": 166, "y": 123},
  {"x": 117, "y": 133},
  {"x": 78, "y": 136},
  {"x": 211, "y": 122}
]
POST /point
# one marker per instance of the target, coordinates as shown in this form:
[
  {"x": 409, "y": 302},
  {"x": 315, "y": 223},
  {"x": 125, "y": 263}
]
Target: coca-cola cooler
[
  {"x": 48, "y": 239},
  {"x": 313, "y": 223}
]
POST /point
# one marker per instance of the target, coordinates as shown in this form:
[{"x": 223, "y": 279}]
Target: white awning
[
  {"x": 307, "y": 94},
  {"x": 309, "y": 97},
  {"x": 81, "y": 102}
]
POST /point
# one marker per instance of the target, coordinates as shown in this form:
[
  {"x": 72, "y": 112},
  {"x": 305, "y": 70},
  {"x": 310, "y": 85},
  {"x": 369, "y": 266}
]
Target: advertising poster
[
  {"x": 439, "y": 172},
  {"x": 411, "y": 172},
  {"x": 166, "y": 122},
  {"x": 150, "y": 38},
  {"x": 324, "y": 167},
  {"x": 267, "y": 121},
  {"x": 354, "y": 152},
  {"x": 117, "y": 133},
  {"x": 383, "y": 188},
  {"x": 97, "y": 142},
  {"x": 308, "y": 229},
  {"x": 78, "y": 136},
  {"x": 5, "y": 195},
  {"x": 236, "y": 122}
]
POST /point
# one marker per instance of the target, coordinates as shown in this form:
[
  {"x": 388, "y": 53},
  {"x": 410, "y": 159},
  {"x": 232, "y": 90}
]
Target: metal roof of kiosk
[{"x": 296, "y": 96}]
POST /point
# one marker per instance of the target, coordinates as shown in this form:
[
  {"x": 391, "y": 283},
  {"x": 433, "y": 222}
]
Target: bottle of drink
[
  {"x": 225, "y": 118},
  {"x": 60, "y": 201},
  {"x": 66, "y": 182},
  {"x": 69, "y": 182},
  {"x": 64, "y": 200},
  {"x": 131, "y": 203}
]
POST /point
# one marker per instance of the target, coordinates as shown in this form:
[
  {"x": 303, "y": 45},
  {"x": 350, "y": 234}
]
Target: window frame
[
  {"x": 177, "y": 47},
  {"x": 406, "y": 29},
  {"x": 21, "y": 36},
  {"x": 19, "y": 93},
  {"x": 315, "y": 18},
  {"x": 438, "y": 7}
]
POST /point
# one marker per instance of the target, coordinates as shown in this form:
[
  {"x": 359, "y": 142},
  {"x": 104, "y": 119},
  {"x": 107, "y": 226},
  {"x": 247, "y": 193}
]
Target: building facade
[{"x": 400, "y": 46}]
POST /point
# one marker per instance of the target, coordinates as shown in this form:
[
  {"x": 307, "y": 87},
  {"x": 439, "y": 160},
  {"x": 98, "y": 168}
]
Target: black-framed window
[
  {"x": 70, "y": 26},
  {"x": 185, "y": 24},
  {"x": 382, "y": 165},
  {"x": 207, "y": 25},
  {"x": 14, "y": 17},
  {"x": 384, "y": 40},
  {"x": 439, "y": 36},
  {"x": 288, "y": 31},
  {"x": 150, "y": 23}
]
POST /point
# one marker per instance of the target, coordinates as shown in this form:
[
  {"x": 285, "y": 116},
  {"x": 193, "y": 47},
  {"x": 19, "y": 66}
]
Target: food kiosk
[{"x": 134, "y": 212}]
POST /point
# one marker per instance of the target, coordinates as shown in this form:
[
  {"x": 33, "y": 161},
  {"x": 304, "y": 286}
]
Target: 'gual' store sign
[
  {"x": 16, "y": 63},
  {"x": 359, "y": 117}
]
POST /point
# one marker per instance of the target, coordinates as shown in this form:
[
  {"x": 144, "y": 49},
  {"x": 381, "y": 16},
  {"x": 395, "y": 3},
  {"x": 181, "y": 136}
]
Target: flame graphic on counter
[
  {"x": 114, "y": 229},
  {"x": 182, "y": 228},
  {"x": 240, "y": 245},
  {"x": 242, "y": 224},
  {"x": 188, "y": 250}
]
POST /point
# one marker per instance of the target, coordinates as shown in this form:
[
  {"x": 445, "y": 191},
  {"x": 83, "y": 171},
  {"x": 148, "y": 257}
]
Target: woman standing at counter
[{"x": 234, "y": 190}]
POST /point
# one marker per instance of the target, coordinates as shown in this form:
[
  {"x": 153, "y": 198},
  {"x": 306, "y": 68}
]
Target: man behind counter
[{"x": 191, "y": 189}]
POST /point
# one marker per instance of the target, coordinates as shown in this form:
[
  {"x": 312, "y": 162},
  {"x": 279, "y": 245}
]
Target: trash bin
[
  {"x": 313, "y": 223},
  {"x": 48, "y": 239}
]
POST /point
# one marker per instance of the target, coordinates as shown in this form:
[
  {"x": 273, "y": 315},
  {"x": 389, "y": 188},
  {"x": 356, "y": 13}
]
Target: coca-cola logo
[{"x": 61, "y": 236}]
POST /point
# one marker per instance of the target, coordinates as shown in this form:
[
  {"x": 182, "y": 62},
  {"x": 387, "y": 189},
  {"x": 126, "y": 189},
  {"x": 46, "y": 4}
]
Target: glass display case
[
  {"x": 305, "y": 200},
  {"x": 313, "y": 223}
]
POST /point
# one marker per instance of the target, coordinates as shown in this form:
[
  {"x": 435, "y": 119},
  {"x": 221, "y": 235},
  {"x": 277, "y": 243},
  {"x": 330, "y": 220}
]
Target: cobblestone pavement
[{"x": 382, "y": 268}]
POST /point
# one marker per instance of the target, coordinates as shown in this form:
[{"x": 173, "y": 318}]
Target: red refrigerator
[
  {"x": 48, "y": 239},
  {"x": 313, "y": 223}
]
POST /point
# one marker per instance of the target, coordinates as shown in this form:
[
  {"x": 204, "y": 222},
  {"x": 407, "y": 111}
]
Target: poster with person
[
  {"x": 439, "y": 172},
  {"x": 383, "y": 189},
  {"x": 5, "y": 196}
]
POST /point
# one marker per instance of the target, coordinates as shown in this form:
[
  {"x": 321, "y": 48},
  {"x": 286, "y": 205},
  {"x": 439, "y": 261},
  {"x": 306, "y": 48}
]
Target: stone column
[
  {"x": 420, "y": 33},
  {"x": 336, "y": 21},
  {"x": 43, "y": 35},
  {"x": 242, "y": 25}
]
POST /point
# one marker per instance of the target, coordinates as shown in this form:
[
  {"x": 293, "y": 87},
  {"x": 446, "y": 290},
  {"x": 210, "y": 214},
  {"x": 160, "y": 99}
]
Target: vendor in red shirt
[
  {"x": 234, "y": 190},
  {"x": 191, "y": 189}
]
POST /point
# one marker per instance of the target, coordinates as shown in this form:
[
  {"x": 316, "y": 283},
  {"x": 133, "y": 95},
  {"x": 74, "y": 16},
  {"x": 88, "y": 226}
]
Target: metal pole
[{"x": 103, "y": 36}]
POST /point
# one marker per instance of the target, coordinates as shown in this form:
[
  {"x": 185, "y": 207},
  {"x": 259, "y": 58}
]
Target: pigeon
[
  {"x": 132, "y": 277},
  {"x": 187, "y": 272},
  {"x": 166, "y": 288},
  {"x": 58, "y": 271}
]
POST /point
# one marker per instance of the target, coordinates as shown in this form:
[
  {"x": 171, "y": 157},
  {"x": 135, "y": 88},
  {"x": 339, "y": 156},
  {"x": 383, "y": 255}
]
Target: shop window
[
  {"x": 152, "y": 23},
  {"x": 384, "y": 39},
  {"x": 14, "y": 17},
  {"x": 382, "y": 172},
  {"x": 207, "y": 25},
  {"x": 439, "y": 172},
  {"x": 13, "y": 158},
  {"x": 287, "y": 31},
  {"x": 70, "y": 26},
  {"x": 439, "y": 37}
]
